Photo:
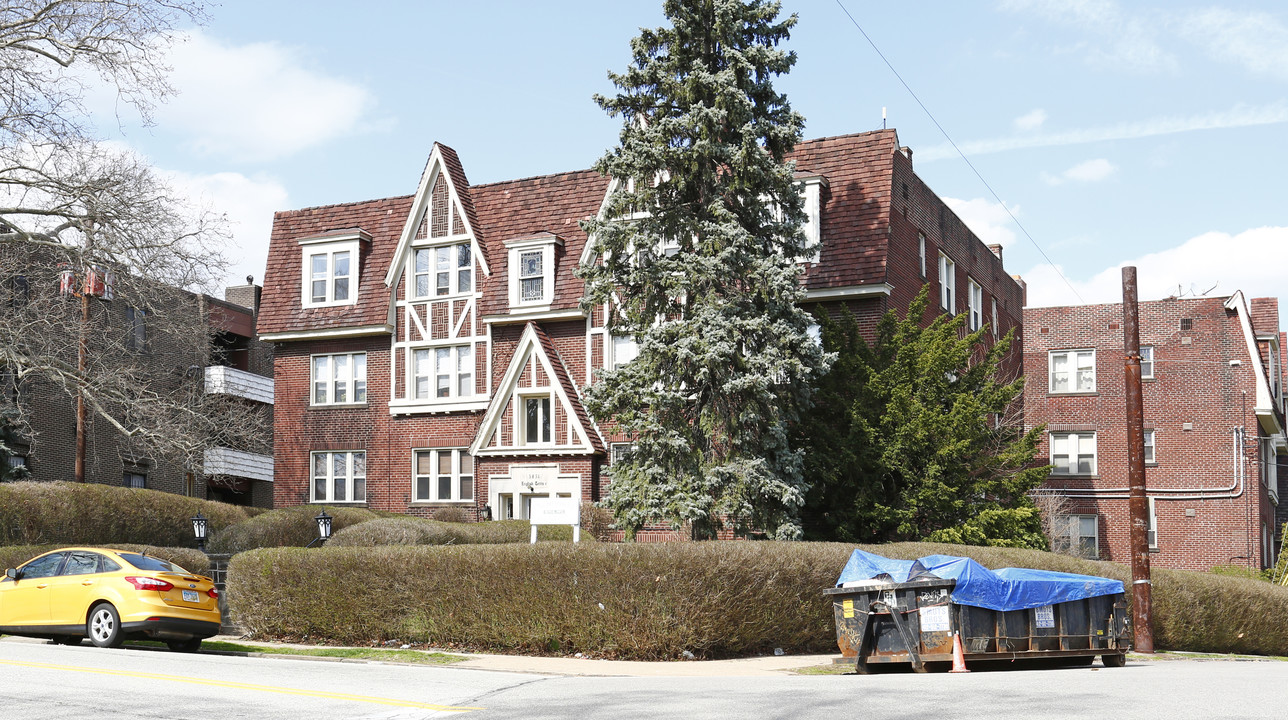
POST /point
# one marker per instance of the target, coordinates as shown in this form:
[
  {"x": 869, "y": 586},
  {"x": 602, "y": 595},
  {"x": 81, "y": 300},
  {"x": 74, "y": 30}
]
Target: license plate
[{"x": 190, "y": 596}]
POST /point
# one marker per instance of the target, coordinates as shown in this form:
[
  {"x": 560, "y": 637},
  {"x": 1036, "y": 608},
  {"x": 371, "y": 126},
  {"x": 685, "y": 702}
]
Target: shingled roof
[{"x": 855, "y": 214}]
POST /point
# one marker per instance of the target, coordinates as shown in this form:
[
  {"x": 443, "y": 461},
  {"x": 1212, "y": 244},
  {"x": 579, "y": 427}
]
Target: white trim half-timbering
[
  {"x": 509, "y": 394},
  {"x": 434, "y": 167}
]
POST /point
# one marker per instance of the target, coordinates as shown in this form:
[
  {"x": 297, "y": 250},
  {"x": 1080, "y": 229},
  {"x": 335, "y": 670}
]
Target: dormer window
[
  {"x": 811, "y": 187},
  {"x": 532, "y": 285},
  {"x": 532, "y": 271},
  {"x": 330, "y": 268}
]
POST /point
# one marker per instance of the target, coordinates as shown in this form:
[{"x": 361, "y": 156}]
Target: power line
[{"x": 962, "y": 154}]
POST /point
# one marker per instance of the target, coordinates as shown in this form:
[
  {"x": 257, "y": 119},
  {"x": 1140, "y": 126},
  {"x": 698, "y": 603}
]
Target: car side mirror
[{"x": 12, "y": 574}]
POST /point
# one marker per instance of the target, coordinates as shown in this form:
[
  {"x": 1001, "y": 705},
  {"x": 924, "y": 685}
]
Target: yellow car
[{"x": 108, "y": 596}]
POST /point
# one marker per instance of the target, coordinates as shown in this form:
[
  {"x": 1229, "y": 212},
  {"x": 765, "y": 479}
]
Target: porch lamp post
[
  {"x": 324, "y": 529},
  {"x": 199, "y": 527}
]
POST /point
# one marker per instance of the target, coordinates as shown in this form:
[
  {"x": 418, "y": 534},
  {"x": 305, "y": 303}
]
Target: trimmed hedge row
[
  {"x": 630, "y": 601},
  {"x": 38, "y": 513},
  {"x": 420, "y": 531},
  {"x": 655, "y": 601},
  {"x": 191, "y": 559}
]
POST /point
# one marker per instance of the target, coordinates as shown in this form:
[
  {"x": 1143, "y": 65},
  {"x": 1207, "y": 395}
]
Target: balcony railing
[{"x": 231, "y": 381}]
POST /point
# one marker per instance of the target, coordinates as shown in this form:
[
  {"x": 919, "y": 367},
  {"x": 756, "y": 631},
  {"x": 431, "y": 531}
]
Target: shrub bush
[
  {"x": 190, "y": 559},
  {"x": 648, "y": 602},
  {"x": 405, "y": 530},
  {"x": 63, "y": 513},
  {"x": 631, "y": 601},
  {"x": 285, "y": 527},
  {"x": 451, "y": 515},
  {"x": 596, "y": 522}
]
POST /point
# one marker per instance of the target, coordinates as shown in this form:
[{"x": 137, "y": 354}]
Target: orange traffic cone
[{"x": 959, "y": 657}]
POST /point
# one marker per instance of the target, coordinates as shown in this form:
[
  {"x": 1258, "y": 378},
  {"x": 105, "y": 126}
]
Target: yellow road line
[{"x": 245, "y": 686}]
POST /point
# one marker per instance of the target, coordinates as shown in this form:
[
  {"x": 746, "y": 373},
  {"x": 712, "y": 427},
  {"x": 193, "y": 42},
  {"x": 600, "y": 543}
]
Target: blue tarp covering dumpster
[{"x": 1003, "y": 590}]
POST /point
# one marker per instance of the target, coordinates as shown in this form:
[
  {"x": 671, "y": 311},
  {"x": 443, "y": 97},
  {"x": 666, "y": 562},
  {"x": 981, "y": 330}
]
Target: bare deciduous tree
[{"x": 75, "y": 211}]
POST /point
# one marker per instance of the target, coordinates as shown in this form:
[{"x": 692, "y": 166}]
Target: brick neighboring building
[
  {"x": 236, "y": 364},
  {"x": 429, "y": 349},
  {"x": 1213, "y": 374}
]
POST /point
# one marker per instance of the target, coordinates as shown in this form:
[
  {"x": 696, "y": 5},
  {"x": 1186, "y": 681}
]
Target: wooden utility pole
[
  {"x": 1137, "y": 504},
  {"x": 82, "y": 352}
]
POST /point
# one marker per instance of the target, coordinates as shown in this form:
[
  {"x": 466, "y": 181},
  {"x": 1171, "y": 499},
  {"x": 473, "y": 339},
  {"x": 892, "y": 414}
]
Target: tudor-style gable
[
  {"x": 439, "y": 358},
  {"x": 536, "y": 409}
]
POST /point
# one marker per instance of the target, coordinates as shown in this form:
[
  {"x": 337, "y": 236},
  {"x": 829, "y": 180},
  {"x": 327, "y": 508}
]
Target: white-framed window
[
  {"x": 339, "y": 379},
  {"x": 1146, "y": 362},
  {"x": 994, "y": 304},
  {"x": 1072, "y": 371},
  {"x": 16, "y": 460},
  {"x": 329, "y": 274},
  {"x": 976, "y": 301},
  {"x": 444, "y": 475},
  {"x": 1151, "y": 534},
  {"x": 532, "y": 271},
  {"x": 947, "y": 284},
  {"x": 536, "y": 420},
  {"x": 339, "y": 476},
  {"x": 131, "y": 479},
  {"x": 1080, "y": 536},
  {"x": 811, "y": 192},
  {"x": 442, "y": 270},
  {"x": 442, "y": 372},
  {"x": 1150, "y": 450},
  {"x": 625, "y": 350},
  {"x": 1073, "y": 453},
  {"x": 921, "y": 252}
]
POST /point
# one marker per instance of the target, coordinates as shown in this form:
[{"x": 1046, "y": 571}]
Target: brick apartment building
[
  {"x": 429, "y": 349},
  {"x": 235, "y": 364},
  {"x": 1213, "y": 373}
]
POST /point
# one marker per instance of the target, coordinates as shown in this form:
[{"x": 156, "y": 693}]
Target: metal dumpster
[{"x": 914, "y": 622}]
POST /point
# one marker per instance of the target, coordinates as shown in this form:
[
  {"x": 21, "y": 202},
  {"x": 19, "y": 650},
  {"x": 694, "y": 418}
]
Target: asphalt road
[{"x": 42, "y": 681}]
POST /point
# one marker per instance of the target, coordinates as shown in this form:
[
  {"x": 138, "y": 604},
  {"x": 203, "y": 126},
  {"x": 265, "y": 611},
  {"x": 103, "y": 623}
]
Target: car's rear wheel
[
  {"x": 67, "y": 639},
  {"x": 190, "y": 645},
  {"x": 104, "y": 626}
]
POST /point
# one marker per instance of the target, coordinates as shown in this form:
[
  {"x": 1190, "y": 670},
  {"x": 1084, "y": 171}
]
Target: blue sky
[{"x": 1117, "y": 133}]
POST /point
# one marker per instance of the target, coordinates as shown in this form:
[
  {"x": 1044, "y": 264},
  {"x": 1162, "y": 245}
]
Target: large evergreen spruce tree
[
  {"x": 697, "y": 259},
  {"x": 916, "y": 437}
]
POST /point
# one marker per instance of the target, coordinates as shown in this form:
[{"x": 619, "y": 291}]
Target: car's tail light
[
  {"x": 147, "y": 583},
  {"x": 213, "y": 593}
]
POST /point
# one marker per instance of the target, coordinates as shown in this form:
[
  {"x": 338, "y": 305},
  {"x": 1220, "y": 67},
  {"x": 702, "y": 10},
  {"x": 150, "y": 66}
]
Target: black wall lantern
[
  {"x": 324, "y": 529},
  {"x": 199, "y": 527}
]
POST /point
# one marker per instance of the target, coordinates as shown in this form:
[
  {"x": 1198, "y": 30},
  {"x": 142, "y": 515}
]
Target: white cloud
[
  {"x": 1032, "y": 120},
  {"x": 1238, "y": 116},
  {"x": 1118, "y": 39},
  {"x": 987, "y": 219},
  {"x": 1084, "y": 172},
  {"x": 1257, "y": 41},
  {"x": 257, "y": 102},
  {"x": 1251, "y": 261},
  {"x": 249, "y": 204}
]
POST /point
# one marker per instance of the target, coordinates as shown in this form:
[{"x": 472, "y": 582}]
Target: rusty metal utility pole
[{"x": 1137, "y": 504}]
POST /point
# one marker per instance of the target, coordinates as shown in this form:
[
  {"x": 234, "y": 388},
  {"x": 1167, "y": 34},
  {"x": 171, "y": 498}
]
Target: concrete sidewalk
[{"x": 766, "y": 666}]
